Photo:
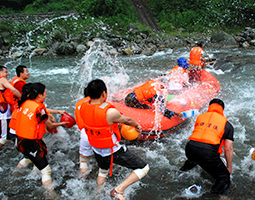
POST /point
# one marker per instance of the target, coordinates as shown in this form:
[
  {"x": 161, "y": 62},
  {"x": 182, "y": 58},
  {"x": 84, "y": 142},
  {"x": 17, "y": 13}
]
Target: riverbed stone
[
  {"x": 223, "y": 38},
  {"x": 65, "y": 49},
  {"x": 81, "y": 48},
  {"x": 252, "y": 42}
]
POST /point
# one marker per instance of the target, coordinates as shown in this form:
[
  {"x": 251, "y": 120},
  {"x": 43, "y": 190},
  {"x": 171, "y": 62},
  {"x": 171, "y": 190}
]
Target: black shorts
[
  {"x": 122, "y": 157},
  {"x": 35, "y": 150}
]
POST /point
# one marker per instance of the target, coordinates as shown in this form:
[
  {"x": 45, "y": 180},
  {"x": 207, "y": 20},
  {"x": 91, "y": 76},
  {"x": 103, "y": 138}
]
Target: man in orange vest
[
  {"x": 145, "y": 95},
  {"x": 20, "y": 80},
  {"x": 196, "y": 61},
  {"x": 5, "y": 114},
  {"x": 212, "y": 130},
  {"x": 101, "y": 123}
]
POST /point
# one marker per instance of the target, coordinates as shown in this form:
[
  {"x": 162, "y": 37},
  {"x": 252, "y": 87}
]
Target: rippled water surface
[{"x": 65, "y": 78}]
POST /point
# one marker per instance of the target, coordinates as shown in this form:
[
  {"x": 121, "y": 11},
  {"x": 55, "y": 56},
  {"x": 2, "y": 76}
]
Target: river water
[{"x": 65, "y": 78}]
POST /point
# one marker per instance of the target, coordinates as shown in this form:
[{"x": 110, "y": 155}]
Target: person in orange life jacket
[
  {"x": 12, "y": 125},
  {"x": 22, "y": 74},
  {"x": 32, "y": 113},
  {"x": 101, "y": 117},
  {"x": 85, "y": 149},
  {"x": 145, "y": 95},
  {"x": 5, "y": 109},
  {"x": 212, "y": 130},
  {"x": 196, "y": 61},
  {"x": 179, "y": 76},
  {"x": 18, "y": 82}
]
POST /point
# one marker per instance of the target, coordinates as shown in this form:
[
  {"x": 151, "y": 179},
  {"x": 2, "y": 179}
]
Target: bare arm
[
  {"x": 52, "y": 125},
  {"x": 6, "y": 84},
  {"x": 229, "y": 154},
  {"x": 114, "y": 116},
  {"x": 56, "y": 111}
]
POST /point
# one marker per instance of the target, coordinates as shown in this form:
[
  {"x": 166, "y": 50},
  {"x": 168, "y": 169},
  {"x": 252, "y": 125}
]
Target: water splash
[{"x": 96, "y": 63}]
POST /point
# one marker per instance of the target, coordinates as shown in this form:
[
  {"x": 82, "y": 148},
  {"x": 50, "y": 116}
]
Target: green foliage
[
  {"x": 198, "y": 15},
  {"x": 187, "y": 15},
  {"x": 42, "y": 6},
  {"x": 6, "y": 26}
]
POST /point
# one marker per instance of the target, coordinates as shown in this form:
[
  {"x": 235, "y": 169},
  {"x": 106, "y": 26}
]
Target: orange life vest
[
  {"x": 13, "y": 81},
  {"x": 6, "y": 96},
  {"x": 27, "y": 124},
  {"x": 195, "y": 57},
  {"x": 17, "y": 79},
  {"x": 210, "y": 126},
  {"x": 77, "y": 113},
  {"x": 98, "y": 130},
  {"x": 13, "y": 120},
  {"x": 146, "y": 91}
]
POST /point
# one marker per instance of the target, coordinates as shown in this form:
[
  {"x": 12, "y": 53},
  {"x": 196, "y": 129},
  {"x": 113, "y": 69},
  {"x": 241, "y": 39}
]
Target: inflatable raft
[{"x": 195, "y": 97}]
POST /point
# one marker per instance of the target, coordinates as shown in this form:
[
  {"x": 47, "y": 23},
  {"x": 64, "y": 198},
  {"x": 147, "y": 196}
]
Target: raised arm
[{"x": 7, "y": 84}]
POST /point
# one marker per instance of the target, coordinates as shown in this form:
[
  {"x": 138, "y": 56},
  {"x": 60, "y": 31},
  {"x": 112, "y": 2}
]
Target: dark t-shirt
[{"x": 229, "y": 132}]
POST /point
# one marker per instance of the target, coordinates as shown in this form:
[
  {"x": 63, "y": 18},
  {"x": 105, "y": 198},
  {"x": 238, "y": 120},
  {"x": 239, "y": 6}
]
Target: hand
[
  {"x": 179, "y": 114},
  {"x": 229, "y": 169},
  {"x": 63, "y": 124},
  {"x": 138, "y": 128},
  {"x": 62, "y": 112}
]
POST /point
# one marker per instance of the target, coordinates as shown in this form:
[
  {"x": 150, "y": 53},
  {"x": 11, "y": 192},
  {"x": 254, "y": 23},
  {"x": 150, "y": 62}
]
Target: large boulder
[
  {"x": 65, "y": 49},
  {"x": 223, "y": 38}
]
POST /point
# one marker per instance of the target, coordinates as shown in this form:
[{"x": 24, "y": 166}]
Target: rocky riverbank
[{"x": 134, "y": 42}]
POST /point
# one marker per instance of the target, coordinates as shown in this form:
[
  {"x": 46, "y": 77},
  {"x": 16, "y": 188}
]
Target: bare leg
[{"x": 132, "y": 178}]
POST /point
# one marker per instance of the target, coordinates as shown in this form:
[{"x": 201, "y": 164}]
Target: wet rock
[
  {"x": 113, "y": 51},
  {"x": 39, "y": 51},
  {"x": 17, "y": 54},
  {"x": 223, "y": 38},
  {"x": 245, "y": 44},
  {"x": 128, "y": 51},
  {"x": 252, "y": 42},
  {"x": 65, "y": 49},
  {"x": 81, "y": 48}
]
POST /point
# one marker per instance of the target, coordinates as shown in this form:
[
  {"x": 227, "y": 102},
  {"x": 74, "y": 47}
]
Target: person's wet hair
[
  {"x": 31, "y": 91},
  {"x": 218, "y": 101},
  {"x": 20, "y": 69},
  {"x": 95, "y": 88}
]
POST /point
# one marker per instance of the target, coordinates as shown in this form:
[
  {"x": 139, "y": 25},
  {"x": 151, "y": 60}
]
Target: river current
[{"x": 65, "y": 79}]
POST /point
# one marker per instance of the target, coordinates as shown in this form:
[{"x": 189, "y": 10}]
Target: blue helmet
[{"x": 182, "y": 63}]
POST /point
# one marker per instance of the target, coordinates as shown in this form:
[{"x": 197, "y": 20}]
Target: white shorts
[{"x": 85, "y": 147}]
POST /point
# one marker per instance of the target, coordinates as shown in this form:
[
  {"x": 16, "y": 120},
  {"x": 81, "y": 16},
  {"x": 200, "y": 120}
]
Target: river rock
[
  {"x": 252, "y": 42},
  {"x": 17, "y": 54},
  {"x": 128, "y": 51},
  {"x": 81, "y": 48},
  {"x": 65, "y": 49},
  {"x": 223, "y": 38},
  {"x": 245, "y": 44},
  {"x": 40, "y": 51}
]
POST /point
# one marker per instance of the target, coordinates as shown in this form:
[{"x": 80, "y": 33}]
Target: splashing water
[{"x": 96, "y": 63}]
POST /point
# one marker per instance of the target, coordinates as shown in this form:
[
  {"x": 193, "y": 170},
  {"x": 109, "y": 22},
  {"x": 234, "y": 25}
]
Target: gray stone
[
  {"x": 81, "y": 48},
  {"x": 223, "y": 38}
]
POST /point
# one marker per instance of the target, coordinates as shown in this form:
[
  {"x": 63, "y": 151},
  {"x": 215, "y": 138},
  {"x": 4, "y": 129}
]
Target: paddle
[
  {"x": 190, "y": 113},
  {"x": 210, "y": 63}
]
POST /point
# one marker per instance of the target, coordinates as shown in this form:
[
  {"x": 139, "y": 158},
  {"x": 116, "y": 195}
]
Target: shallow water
[{"x": 65, "y": 78}]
